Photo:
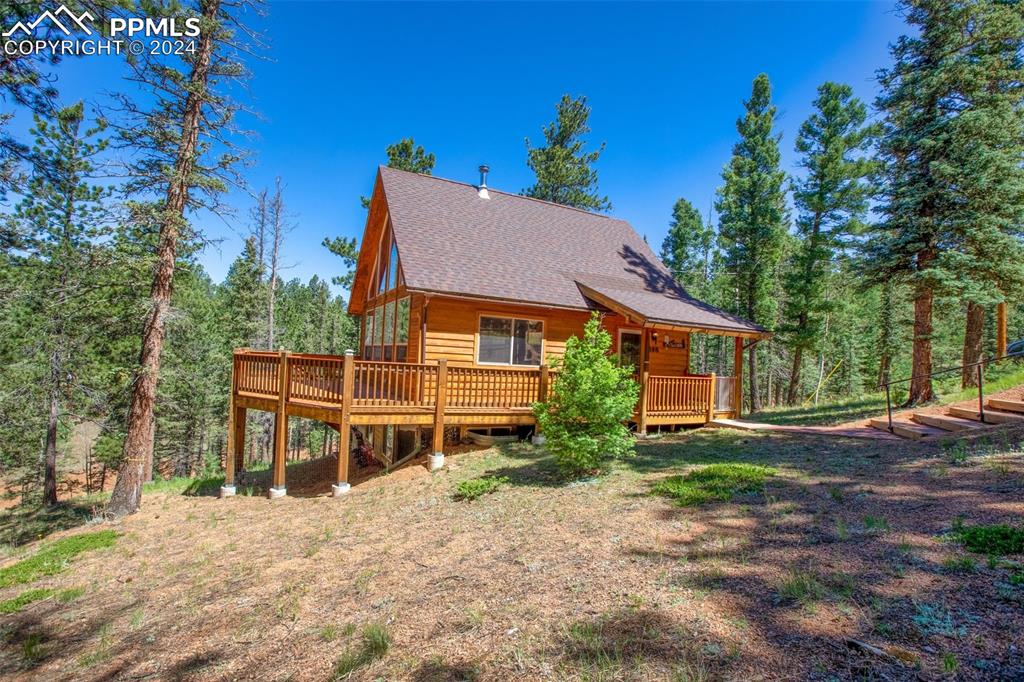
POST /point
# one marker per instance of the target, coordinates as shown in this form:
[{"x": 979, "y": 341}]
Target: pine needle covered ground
[{"x": 844, "y": 559}]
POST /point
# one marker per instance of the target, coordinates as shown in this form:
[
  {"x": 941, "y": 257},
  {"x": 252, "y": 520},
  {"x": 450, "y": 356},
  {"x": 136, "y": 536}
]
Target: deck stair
[
  {"x": 955, "y": 420},
  {"x": 945, "y": 422},
  {"x": 906, "y": 429}
]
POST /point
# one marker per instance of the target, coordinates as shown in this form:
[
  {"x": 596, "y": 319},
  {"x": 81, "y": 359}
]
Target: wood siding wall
[{"x": 453, "y": 325}]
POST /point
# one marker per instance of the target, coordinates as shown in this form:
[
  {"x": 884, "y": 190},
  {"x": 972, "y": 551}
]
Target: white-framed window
[{"x": 510, "y": 341}]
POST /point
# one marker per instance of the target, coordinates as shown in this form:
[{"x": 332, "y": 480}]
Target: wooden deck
[{"x": 344, "y": 391}]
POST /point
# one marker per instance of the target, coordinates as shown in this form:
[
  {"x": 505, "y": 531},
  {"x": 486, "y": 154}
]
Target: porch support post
[
  {"x": 228, "y": 489},
  {"x": 1001, "y": 340},
  {"x": 437, "y": 458},
  {"x": 641, "y": 426},
  {"x": 277, "y": 482},
  {"x": 711, "y": 399},
  {"x": 348, "y": 383},
  {"x": 738, "y": 372},
  {"x": 542, "y": 395}
]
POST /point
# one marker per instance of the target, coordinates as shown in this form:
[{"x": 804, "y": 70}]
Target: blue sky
[{"x": 471, "y": 80}]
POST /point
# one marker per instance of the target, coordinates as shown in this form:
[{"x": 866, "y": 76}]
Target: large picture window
[
  {"x": 386, "y": 333},
  {"x": 510, "y": 341}
]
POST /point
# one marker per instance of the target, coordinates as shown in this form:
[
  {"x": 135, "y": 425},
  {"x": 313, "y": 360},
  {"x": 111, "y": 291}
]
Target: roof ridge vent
[{"x": 482, "y": 188}]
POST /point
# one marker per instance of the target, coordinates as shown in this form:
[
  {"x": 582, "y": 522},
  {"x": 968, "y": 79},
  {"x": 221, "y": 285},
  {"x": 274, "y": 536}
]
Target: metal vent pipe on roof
[{"x": 482, "y": 189}]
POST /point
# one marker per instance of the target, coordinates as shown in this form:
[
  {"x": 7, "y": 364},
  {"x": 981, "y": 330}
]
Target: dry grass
[{"x": 594, "y": 580}]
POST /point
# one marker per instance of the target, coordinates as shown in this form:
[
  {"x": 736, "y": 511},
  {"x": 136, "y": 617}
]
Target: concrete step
[
  {"x": 991, "y": 416},
  {"x": 1006, "y": 405},
  {"x": 945, "y": 422},
  {"x": 907, "y": 429}
]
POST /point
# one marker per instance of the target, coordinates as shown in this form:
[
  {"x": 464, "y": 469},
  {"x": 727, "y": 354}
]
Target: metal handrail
[{"x": 981, "y": 384}]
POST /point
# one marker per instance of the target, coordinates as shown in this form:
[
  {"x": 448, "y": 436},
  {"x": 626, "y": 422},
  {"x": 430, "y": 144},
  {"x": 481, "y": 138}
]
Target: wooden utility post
[
  {"x": 738, "y": 371},
  {"x": 1001, "y": 332},
  {"x": 281, "y": 426}
]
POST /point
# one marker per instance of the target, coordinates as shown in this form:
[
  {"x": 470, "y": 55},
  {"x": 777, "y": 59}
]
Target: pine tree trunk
[
  {"x": 50, "y": 448},
  {"x": 921, "y": 366},
  {"x": 972, "y": 344},
  {"x": 794, "y": 376},
  {"x": 138, "y": 444}
]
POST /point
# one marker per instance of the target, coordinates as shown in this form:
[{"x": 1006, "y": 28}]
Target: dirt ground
[{"x": 551, "y": 580}]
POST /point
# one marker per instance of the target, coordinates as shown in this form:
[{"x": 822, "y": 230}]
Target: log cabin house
[{"x": 465, "y": 294}]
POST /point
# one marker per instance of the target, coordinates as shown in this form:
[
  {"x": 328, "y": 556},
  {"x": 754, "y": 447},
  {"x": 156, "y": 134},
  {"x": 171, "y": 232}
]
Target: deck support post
[
  {"x": 436, "y": 459},
  {"x": 738, "y": 373},
  {"x": 277, "y": 482},
  {"x": 236, "y": 442},
  {"x": 348, "y": 382},
  {"x": 1001, "y": 332},
  {"x": 711, "y": 399}
]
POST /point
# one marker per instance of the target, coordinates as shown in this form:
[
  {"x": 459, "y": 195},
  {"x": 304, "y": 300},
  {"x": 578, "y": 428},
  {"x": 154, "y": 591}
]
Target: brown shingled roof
[{"x": 515, "y": 248}]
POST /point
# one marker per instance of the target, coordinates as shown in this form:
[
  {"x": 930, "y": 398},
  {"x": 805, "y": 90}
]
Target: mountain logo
[{"x": 70, "y": 23}]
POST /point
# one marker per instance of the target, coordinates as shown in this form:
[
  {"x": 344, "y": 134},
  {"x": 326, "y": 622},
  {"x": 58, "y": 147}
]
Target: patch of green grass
[
  {"x": 70, "y": 594},
  {"x": 32, "y": 649},
  {"x": 373, "y": 645},
  {"x": 994, "y": 540},
  {"x": 54, "y": 557},
  {"x": 875, "y": 524},
  {"x": 192, "y": 487},
  {"x": 31, "y": 521},
  {"x": 473, "y": 488},
  {"x": 801, "y": 587},
  {"x": 24, "y": 599},
  {"x": 960, "y": 564},
  {"x": 949, "y": 663},
  {"x": 825, "y": 413},
  {"x": 714, "y": 482}
]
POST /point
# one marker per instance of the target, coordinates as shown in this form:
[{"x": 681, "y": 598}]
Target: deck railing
[
  {"x": 394, "y": 384},
  {"x": 321, "y": 380},
  {"x": 498, "y": 388},
  {"x": 685, "y": 396}
]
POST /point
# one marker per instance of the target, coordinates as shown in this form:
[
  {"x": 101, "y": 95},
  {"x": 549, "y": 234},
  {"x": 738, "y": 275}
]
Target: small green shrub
[
  {"x": 714, "y": 482},
  {"x": 24, "y": 599},
  {"x": 583, "y": 421},
  {"x": 374, "y": 644},
  {"x": 997, "y": 540},
  {"x": 53, "y": 558},
  {"x": 478, "y": 487}
]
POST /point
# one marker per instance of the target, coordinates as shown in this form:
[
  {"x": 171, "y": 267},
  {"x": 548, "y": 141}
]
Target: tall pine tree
[
  {"x": 986, "y": 148},
  {"x": 564, "y": 169},
  {"x": 751, "y": 205},
  {"x": 189, "y": 120},
  {"x": 831, "y": 200}
]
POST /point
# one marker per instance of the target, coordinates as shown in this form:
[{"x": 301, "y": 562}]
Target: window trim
[
  {"x": 629, "y": 330},
  {"x": 511, "y": 342}
]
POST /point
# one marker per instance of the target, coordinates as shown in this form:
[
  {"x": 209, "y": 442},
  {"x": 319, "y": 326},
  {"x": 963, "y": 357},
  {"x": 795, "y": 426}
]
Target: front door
[{"x": 629, "y": 350}]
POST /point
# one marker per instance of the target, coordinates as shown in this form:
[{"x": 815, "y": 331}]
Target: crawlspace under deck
[{"x": 344, "y": 391}]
